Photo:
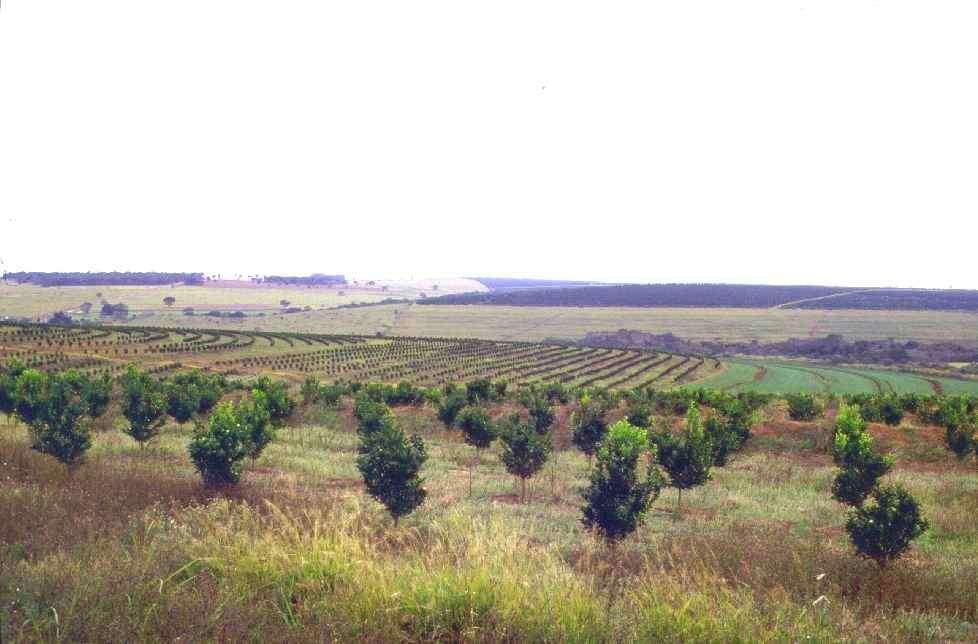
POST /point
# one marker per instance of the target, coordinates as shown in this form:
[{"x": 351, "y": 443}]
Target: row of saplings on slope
[
  {"x": 619, "y": 494},
  {"x": 57, "y": 409}
]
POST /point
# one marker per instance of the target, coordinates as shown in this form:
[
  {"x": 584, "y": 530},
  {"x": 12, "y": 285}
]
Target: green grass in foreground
[{"x": 133, "y": 549}]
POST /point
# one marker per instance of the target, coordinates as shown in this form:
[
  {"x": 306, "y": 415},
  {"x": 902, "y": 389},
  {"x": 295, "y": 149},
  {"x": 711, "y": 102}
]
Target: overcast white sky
[{"x": 798, "y": 141}]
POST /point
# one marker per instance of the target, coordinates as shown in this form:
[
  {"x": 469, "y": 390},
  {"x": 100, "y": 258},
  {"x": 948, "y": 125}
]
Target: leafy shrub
[
  {"x": 556, "y": 392},
  {"x": 723, "y": 441},
  {"x": 891, "y": 411},
  {"x": 803, "y": 407},
  {"x": 8, "y": 386},
  {"x": 330, "y": 395},
  {"x": 479, "y": 390},
  {"x": 310, "y": 391},
  {"x": 640, "y": 415},
  {"x": 499, "y": 390}
]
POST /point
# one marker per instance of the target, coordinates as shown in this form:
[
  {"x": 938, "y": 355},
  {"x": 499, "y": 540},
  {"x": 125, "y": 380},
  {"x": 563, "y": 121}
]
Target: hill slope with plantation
[
  {"x": 436, "y": 361},
  {"x": 425, "y": 361}
]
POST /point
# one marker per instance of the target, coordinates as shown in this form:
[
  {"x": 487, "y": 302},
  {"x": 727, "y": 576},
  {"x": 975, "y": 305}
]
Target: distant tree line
[
  {"x": 900, "y": 300},
  {"x": 720, "y": 295},
  {"x": 645, "y": 295},
  {"x": 316, "y": 279},
  {"x": 104, "y": 279}
]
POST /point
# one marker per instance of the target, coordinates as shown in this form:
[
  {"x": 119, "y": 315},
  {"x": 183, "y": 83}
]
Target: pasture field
[
  {"x": 146, "y": 302},
  {"x": 517, "y": 323},
  {"x": 131, "y": 547},
  {"x": 533, "y": 324}
]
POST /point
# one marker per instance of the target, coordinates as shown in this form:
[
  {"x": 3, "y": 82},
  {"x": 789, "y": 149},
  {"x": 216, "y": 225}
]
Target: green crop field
[{"x": 779, "y": 376}]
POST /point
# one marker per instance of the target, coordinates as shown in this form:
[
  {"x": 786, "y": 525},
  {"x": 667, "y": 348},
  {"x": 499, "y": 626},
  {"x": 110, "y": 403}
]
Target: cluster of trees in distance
[
  {"x": 511, "y": 283},
  {"x": 105, "y": 279},
  {"x": 316, "y": 279}
]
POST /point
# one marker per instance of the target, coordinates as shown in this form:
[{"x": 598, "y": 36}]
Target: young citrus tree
[
  {"x": 218, "y": 449},
  {"x": 618, "y": 497},
  {"x": 257, "y": 420},
  {"x": 884, "y": 530},
  {"x": 477, "y": 430},
  {"x": 8, "y": 387},
  {"x": 589, "y": 427},
  {"x": 640, "y": 415},
  {"x": 803, "y": 407},
  {"x": 98, "y": 394},
  {"x": 479, "y": 390},
  {"x": 191, "y": 393},
  {"x": 57, "y": 412},
  {"x": 310, "y": 391},
  {"x": 860, "y": 466},
  {"x": 390, "y": 464},
  {"x": 450, "y": 407},
  {"x": 540, "y": 408},
  {"x": 280, "y": 405},
  {"x": 959, "y": 428},
  {"x": 687, "y": 459},
  {"x": 144, "y": 405},
  {"x": 525, "y": 450},
  {"x": 371, "y": 416}
]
